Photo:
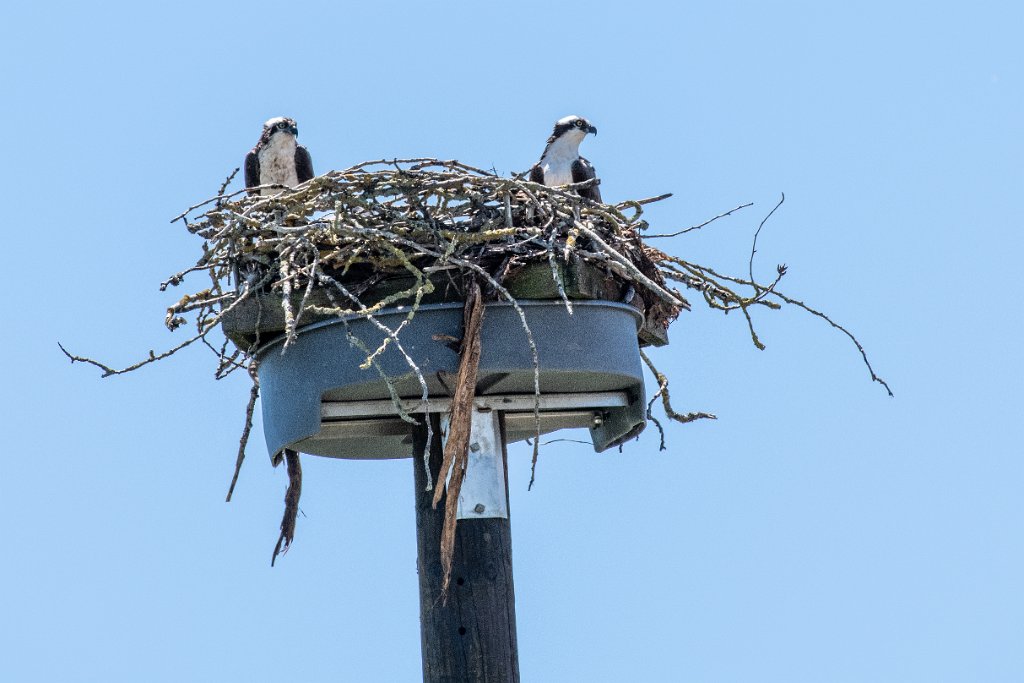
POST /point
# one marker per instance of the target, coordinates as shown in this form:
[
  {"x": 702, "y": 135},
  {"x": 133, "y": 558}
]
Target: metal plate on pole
[{"x": 483, "y": 492}]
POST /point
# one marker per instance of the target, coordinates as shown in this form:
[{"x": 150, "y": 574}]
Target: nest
[
  {"x": 343, "y": 235},
  {"x": 399, "y": 233}
]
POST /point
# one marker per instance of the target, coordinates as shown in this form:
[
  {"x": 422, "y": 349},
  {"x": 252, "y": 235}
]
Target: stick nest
[
  {"x": 430, "y": 221},
  {"x": 327, "y": 246}
]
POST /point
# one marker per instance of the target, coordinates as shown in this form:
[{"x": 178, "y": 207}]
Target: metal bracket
[
  {"x": 483, "y": 493},
  {"x": 339, "y": 410},
  {"x": 373, "y": 429}
]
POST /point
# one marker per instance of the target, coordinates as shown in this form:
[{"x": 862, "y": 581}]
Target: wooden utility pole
[{"x": 471, "y": 638}]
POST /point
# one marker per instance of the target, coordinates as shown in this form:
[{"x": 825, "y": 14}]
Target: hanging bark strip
[
  {"x": 456, "y": 451},
  {"x": 291, "y": 504}
]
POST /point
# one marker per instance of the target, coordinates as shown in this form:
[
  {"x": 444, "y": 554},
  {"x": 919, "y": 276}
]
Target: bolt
[
  {"x": 598, "y": 419},
  {"x": 474, "y": 446},
  {"x": 479, "y": 508}
]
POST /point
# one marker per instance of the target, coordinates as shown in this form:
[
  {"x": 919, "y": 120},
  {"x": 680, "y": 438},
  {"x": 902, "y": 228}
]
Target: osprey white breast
[
  {"x": 559, "y": 157},
  {"x": 277, "y": 163}
]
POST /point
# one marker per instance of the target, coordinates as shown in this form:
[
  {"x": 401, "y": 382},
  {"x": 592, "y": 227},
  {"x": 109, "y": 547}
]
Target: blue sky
[{"x": 818, "y": 531}]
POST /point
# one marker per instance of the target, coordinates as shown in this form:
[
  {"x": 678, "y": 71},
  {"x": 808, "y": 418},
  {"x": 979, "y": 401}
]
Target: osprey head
[
  {"x": 575, "y": 127},
  {"x": 279, "y": 124}
]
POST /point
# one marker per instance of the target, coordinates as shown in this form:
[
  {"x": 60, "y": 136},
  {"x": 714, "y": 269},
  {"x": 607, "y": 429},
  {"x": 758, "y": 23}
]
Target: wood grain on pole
[{"x": 471, "y": 638}]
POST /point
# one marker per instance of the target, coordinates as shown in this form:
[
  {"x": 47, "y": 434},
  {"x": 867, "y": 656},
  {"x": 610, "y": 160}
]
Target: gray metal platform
[{"x": 316, "y": 399}]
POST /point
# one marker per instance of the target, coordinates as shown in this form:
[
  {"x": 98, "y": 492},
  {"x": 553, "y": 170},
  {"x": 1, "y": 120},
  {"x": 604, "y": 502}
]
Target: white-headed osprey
[
  {"x": 561, "y": 163},
  {"x": 277, "y": 159}
]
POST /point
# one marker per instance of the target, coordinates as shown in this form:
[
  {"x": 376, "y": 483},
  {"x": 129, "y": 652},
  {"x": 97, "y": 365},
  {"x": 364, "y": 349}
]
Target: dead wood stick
[{"x": 456, "y": 449}]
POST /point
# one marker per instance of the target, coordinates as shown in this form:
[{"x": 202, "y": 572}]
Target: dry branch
[{"x": 456, "y": 450}]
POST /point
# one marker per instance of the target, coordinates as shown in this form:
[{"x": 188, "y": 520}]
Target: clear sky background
[{"x": 818, "y": 531}]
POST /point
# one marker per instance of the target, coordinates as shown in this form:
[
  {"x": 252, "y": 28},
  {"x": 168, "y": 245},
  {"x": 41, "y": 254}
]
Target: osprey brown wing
[
  {"x": 252, "y": 169},
  {"x": 583, "y": 170},
  {"x": 536, "y": 174},
  {"x": 303, "y": 164}
]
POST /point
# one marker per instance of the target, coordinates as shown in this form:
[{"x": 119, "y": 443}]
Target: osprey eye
[{"x": 579, "y": 123}]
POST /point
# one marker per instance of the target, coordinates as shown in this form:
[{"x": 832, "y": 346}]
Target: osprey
[
  {"x": 561, "y": 163},
  {"x": 277, "y": 159}
]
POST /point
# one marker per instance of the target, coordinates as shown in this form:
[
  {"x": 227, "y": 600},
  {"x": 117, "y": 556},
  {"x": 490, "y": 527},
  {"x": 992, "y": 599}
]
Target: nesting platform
[{"x": 316, "y": 397}]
